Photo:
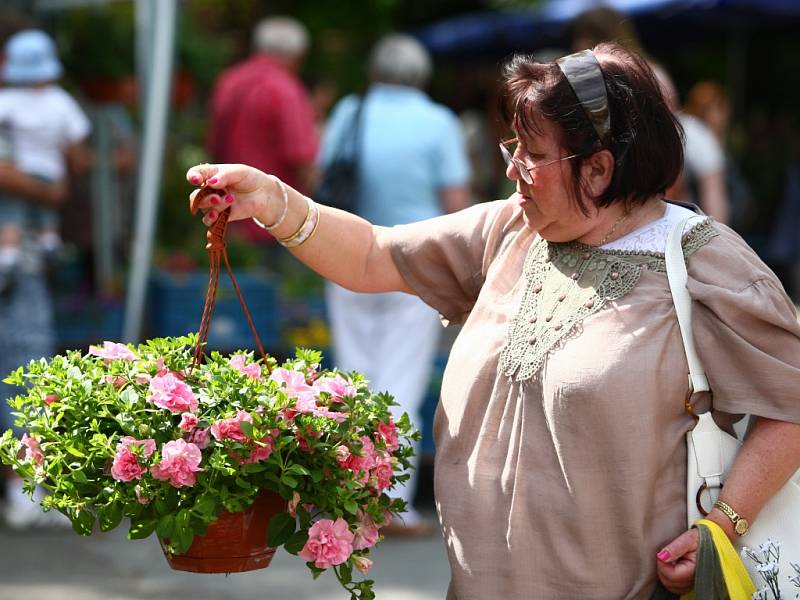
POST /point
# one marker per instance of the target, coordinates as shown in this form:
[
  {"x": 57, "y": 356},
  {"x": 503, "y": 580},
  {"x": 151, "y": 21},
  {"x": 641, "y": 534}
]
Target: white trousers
[{"x": 392, "y": 339}]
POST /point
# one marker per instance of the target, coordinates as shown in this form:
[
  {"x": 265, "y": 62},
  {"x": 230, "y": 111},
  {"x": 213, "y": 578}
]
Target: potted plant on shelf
[{"x": 184, "y": 449}]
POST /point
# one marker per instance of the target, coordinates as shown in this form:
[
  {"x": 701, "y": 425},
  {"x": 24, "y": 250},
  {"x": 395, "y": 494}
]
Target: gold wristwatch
[{"x": 740, "y": 525}]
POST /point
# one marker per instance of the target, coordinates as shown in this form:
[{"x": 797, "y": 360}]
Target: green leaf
[
  {"x": 346, "y": 573},
  {"x": 296, "y": 542},
  {"x": 297, "y": 469},
  {"x": 289, "y": 480},
  {"x": 317, "y": 475},
  {"x": 166, "y": 526},
  {"x": 351, "y": 507},
  {"x": 141, "y": 529},
  {"x": 82, "y": 522},
  {"x": 247, "y": 428},
  {"x": 280, "y": 528},
  {"x": 75, "y": 452},
  {"x": 206, "y": 504},
  {"x": 110, "y": 516}
]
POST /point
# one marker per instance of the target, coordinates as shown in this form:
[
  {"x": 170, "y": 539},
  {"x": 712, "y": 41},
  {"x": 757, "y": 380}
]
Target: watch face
[{"x": 741, "y": 526}]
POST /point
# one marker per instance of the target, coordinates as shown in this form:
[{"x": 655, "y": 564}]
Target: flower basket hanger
[
  {"x": 235, "y": 542},
  {"x": 217, "y": 254}
]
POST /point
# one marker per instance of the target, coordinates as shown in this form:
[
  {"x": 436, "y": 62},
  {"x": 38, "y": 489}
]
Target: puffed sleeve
[
  {"x": 445, "y": 259},
  {"x": 746, "y": 330}
]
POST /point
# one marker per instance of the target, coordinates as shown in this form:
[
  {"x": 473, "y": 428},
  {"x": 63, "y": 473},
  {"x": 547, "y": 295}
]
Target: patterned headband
[{"x": 585, "y": 77}]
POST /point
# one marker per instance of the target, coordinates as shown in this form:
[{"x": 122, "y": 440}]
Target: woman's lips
[{"x": 522, "y": 199}]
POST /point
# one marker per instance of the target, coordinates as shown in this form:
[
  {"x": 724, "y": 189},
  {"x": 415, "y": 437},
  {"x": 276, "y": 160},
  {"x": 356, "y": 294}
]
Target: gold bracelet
[
  {"x": 312, "y": 224},
  {"x": 287, "y": 240},
  {"x": 308, "y": 230}
]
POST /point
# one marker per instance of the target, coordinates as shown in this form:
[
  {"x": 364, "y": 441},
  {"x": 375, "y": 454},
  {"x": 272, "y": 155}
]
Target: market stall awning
[{"x": 499, "y": 32}]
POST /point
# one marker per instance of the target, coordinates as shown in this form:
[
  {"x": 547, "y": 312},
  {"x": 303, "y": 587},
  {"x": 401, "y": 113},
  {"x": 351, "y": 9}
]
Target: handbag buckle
[{"x": 699, "y": 500}]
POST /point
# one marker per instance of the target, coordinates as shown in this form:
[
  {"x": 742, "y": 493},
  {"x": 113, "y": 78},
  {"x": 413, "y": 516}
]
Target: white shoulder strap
[{"x": 678, "y": 278}]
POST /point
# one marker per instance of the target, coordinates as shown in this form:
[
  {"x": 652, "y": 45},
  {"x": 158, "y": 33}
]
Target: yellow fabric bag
[{"x": 734, "y": 574}]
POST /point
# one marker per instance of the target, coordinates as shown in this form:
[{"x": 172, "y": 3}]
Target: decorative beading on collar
[{"x": 565, "y": 284}]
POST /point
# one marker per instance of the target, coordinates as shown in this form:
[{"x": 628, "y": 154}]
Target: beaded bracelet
[
  {"x": 306, "y": 230},
  {"x": 284, "y": 212}
]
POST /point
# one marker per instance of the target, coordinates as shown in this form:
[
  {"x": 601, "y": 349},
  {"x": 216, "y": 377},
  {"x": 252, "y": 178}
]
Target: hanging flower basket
[{"x": 224, "y": 458}]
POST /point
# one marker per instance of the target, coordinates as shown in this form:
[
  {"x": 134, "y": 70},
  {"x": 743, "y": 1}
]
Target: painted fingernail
[
  {"x": 195, "y": 178},
  {"x": 212, "y": 214},
  {"x": 663, "y": 555},
  {"x": 213, "y": 199},
  {"x": 213, "y": 180},
  {"x": 228, "y": 198}
]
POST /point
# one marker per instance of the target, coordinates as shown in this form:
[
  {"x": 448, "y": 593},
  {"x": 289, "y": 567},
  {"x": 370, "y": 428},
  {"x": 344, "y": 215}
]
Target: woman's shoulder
[{"x": 722, "y": 258}]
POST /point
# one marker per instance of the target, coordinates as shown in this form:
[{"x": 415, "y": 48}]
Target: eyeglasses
[{"x": 509, "y": 147}]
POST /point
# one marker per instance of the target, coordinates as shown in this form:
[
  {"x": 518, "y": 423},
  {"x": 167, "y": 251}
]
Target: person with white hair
[
  {"x": 412, "y": 165},
  {"x": 261, "y": 112}
]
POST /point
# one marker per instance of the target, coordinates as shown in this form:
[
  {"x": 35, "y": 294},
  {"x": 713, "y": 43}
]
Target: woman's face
[{"x": 547, "y": 203}]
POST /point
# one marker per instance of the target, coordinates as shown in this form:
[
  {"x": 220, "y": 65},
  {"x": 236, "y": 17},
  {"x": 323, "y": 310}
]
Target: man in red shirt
[{"x": 261, "y": 113}]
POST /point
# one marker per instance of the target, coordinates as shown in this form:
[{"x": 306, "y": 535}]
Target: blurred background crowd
[{"x": 285, "y": 86}]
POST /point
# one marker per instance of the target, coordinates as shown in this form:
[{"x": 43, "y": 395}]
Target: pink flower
[
  {"x": 337, "y": 387},
  {"x": 199, "y": 437},
  {"x": 252, "y": 370},
  {"x": 188, "y": 422},
  {"x": 360, "y": 464},
  {"x": 362, "y": 563},
  {"x": 168, "y": 391},
  {"x": 296, "y": 387},
  {"x": 112, "y": 351},
  {"x": 225, "y": 429},
  {"x": 329, "y": 543},
  {"x": 179, "y": 463},
  {"x": 366, "y": 533},
  {"x": 381, "y": 476},
  {"x": 50, "y": 398},
  {"x": 148, "y": 445},
  {"x": 260, "y": 453},
  {"x": 116, "y": 380},
  {"x": 126, "y": 466},
  {"x": 32, "y": 450},
  {"x": 388, "y": 433}
]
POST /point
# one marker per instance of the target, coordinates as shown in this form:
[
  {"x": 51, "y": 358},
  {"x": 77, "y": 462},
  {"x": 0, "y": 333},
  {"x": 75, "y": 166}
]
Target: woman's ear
[{"x": 598, "y": 170}]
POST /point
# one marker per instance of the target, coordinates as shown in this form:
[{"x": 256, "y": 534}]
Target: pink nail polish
[
  {"x": 212, "y": 214},
  {"x": 214, "y": 199},
  {"x": 213, "y": 180},
  {"x": 228, "y": 198},
  {"x": 195, "y": 179},
  {"x": 663, "y": 556}
]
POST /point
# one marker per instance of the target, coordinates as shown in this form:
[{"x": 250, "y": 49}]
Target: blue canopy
[{"x": 546, "y": 24}]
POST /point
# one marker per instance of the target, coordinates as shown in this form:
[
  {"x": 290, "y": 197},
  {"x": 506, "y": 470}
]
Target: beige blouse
[{"x": 560, "y": 435}]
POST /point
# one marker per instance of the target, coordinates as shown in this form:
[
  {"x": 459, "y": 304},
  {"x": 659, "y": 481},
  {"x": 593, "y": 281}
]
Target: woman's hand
[
  {"x": 256, "y": 193},
  {"x": 677, "y": 562}
]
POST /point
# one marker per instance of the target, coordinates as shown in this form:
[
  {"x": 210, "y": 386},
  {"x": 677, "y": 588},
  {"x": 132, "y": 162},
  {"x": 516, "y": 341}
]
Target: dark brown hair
[{"x": 645, "y": 137}]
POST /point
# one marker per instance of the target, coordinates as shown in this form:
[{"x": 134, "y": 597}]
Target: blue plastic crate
[
  {"x": 176, "y": 307},
  {"x": 80, "y": 324}
]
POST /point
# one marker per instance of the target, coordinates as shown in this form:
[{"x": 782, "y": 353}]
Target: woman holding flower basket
[{"x": 561, "y": 453}]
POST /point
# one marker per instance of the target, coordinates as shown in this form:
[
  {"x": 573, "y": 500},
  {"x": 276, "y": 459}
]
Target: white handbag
[{"x": 711, "y": 452}]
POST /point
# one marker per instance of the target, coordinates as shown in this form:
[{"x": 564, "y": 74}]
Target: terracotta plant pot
[{"x": 235, "y": 542}]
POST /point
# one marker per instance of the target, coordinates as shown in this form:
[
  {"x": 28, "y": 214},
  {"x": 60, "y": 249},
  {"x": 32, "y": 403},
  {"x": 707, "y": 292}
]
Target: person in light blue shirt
[{"x": 412, "y": 165}]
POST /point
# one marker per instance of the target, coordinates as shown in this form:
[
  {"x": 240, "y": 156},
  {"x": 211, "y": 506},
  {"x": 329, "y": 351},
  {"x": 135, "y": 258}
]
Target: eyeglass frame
[{"x": 523, "y": 169}]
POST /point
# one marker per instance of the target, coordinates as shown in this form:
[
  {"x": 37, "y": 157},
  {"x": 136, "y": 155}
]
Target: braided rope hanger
[{"x": 217, "y": 253}]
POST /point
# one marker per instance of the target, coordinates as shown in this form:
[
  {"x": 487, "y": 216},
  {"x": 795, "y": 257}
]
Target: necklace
[
  {"x": 616, "y": 224},
  {"x": 641, "y": 218}
]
